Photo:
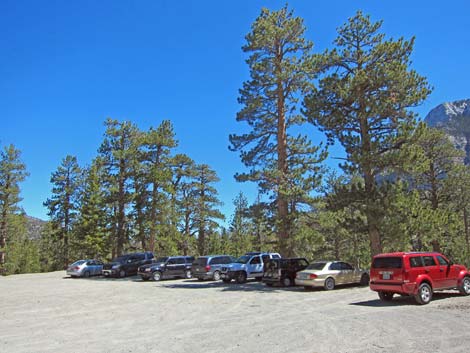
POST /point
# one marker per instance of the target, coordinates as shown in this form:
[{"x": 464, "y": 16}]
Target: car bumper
[
  {"x": 74, "y": 273},
  {"x": 110, "y": 273},
  {"x": 310, "y": 282},
  {"x": 405, "y": 288},
  {"x": 203, "y": 275}
]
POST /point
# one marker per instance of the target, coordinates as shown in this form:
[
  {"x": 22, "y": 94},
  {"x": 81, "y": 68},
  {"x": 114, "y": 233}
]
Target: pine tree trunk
[
  {"x": 282, "y": 204},
  {"x": 121, "y": 211},
  {"x": 3, "y": 241},
  {"x": 466, "y": 161}
]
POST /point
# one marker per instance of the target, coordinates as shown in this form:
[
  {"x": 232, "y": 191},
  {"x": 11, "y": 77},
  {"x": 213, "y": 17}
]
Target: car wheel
[
  {"x": 286, "y": 282},
  {"x": 226, "y": 280},
  {"x": 364, "y": 279},
  {"x": 188, "y": 274},
  {"x": 156, "y": 276},
  {"x": 385, "y": 296},
  {"x": 465, "y": 286},
  {"x": 216, "y": 276},
  {"x": 144, "y": 278},
  {"x": 122, "y": 273},
  {"x": 329, "y": 283},
  {"x": 86, "y": 274},
  {"x": 241, "y": 277},
  {"x": 424, "y": 294}
]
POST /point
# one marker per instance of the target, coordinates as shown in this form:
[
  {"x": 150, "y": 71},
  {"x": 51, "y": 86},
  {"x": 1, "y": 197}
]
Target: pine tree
[
  {"x": 241, "y": 230},
  {"x": 205, "y": 196},
  {"x": 92, "y": 235},
  {"x": 12, "y": 173},
  {"x": 282, "y": 162},
  {"x": 363, "y": 101},
  {"x": 118, "y": 151},
  {"x": 63, "y": 205}
]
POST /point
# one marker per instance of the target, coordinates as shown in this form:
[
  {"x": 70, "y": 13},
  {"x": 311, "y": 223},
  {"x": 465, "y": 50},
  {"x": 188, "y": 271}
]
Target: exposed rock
[
  {"x": 454, "y": 119},
  {"x": 34, "y": 227}
]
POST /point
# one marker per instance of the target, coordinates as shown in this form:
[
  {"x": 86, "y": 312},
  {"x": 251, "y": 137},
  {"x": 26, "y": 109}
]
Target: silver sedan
[
  {"x": 85, "y": 268},
  {"x": 328, "y": 274}
]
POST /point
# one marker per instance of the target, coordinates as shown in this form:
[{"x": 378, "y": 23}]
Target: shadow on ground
[{"x": 399, "y": 300}]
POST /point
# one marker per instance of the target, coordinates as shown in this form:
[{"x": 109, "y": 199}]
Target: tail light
[
  {"x": 208, "y": 268},
  {"x": 76, "y": 268},
  {"x": 312, "y": 276}
]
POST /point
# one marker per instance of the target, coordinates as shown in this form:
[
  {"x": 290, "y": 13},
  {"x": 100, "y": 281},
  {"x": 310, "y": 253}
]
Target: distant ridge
[
  {"x": 444, "y": 115},
  {"x": 34, "y": 227}
]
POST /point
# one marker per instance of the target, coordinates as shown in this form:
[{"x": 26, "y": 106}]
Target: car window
[
  {"x": 416, "y": 261},
  {"x": 201, "y": 261},
  {"x": 255, "y": 261},
  {"x": 303, "y": 263},
  {"x": 387, "y": 262},
  {"x": 171, "y": 261},
  {"x": 335, "y": 266},
  {"x": 139, "y": 257},
  {"x": 442, "y": 261},
  {"x": 346, "y": 266},
  {"x": 275, "y": 256},
  {"x": 429, "y": 261},
  {"x": 90, "y": 263},
  {"x": 216, "y": 260},
  {"x": 100, "y": 263},
  {"x": 316, "y": 266},
  {"x": 180, "y": 260}
]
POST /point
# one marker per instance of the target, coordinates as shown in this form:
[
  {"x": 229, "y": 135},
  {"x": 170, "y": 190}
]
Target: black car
[
  {"x": 167, "y": 267},
  {"x": 126, "y": 265},
  {"x": 283, "y": 271}
]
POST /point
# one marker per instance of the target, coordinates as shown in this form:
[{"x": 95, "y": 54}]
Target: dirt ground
[{"x": 49, "y": 312}]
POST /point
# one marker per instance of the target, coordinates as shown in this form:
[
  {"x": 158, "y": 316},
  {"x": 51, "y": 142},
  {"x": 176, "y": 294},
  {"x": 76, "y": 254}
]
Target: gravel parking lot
[{"x": 52, "y": 313}]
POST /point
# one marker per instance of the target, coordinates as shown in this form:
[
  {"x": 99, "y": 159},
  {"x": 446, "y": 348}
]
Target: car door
[
  {"x": 255, "y": 266},
  {"x": 170, "y": 267},
  {"x": 347, "y": 273},
  {"x": 335, "y": 271},
  {"x": 451, "y": 273},
  {"x": 180, "y": 266},
  {"x": 434, "y": 272}
]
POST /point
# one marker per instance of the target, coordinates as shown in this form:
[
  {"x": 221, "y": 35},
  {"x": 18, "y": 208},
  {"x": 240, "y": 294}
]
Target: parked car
[
  {"x": 208, "y": 267},
  {"x": 85, "y": 268},
  {"x": 167, "y": 267},
  {"x": 417, "y": 274},
  {"x": 127, "y": 265},
  {"x": 283, "y": 271},
  {"x": 328, "y": 274},
  {"x": 247, "y": 266}
]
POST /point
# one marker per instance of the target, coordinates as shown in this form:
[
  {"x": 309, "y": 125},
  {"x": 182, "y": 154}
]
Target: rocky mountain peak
[{"x": 454, "y": 119}]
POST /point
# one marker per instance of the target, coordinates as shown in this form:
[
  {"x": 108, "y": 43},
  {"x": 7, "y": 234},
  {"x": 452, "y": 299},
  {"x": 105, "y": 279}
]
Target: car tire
[
  {"x": 157, "y": 276},
  {"x": 241, "y": 277},
  {"x": 464, "y": 287},
  {"x": 424, "y": 294},
  {"x": 188, "y": 274},
  {"x": 122, "y": 273},
  {"x": 364, "y": 279},
  {"x": 329, "y": 283},
  {"x": 286, "y": 282},
  {"x": 86, "y": 274},
  {"x": 386, "y": 296},
  {"x": 226, "y": 280},
  {"x": 216, "y": 276}
]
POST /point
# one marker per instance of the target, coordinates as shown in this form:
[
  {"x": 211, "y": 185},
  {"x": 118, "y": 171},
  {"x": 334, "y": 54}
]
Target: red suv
[{"x": 416, "y": 274}]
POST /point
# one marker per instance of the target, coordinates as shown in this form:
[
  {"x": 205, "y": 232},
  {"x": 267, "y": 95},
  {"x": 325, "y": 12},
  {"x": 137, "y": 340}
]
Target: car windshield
[
  {"x": 243, "y": 259},
  {"x": 78, "y": 263},
  {"x": 316, "y": 266},
  {"x": 161, "y": 259},
  {"x": 120, "y": 259}
]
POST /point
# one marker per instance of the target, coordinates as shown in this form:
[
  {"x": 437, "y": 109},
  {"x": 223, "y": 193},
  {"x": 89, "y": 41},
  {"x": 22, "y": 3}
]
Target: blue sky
[{"x": 67, "y": 65}]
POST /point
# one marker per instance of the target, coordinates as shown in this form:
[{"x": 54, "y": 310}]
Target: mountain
[
  {"x": 34, "y": 227},
  {"x": 454, "y": 119}
]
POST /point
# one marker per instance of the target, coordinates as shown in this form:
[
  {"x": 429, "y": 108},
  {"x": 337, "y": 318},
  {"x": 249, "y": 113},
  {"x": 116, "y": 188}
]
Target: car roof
[{"x": 402, "y": 253}]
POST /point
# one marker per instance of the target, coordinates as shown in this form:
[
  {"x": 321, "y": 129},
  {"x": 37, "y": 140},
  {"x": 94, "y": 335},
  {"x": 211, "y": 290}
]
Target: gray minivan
[{"x": 208, "y": 267}]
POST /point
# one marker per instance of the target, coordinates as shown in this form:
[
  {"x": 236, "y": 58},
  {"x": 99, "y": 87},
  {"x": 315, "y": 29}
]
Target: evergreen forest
[{"x": 401, "y": 186}]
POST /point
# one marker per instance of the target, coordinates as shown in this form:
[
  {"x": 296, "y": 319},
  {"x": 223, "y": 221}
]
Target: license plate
[{"x": 386, "y": 275}]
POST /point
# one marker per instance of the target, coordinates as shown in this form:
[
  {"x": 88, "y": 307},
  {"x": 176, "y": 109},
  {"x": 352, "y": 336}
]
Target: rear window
[
  {"x": 201, "y": 261},
  {"x": 316, "y": 266},
  {"x": 387, "y": 262}
]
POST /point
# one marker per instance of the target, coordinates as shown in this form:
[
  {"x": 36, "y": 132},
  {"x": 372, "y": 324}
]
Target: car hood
[{"x": 235, "y": 266}]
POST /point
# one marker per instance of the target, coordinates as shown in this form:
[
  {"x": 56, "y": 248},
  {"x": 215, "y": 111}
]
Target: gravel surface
[{"x": 53, "y": 313}]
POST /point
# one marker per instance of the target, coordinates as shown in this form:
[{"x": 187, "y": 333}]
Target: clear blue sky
[{"x": 67, "y": 65}]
